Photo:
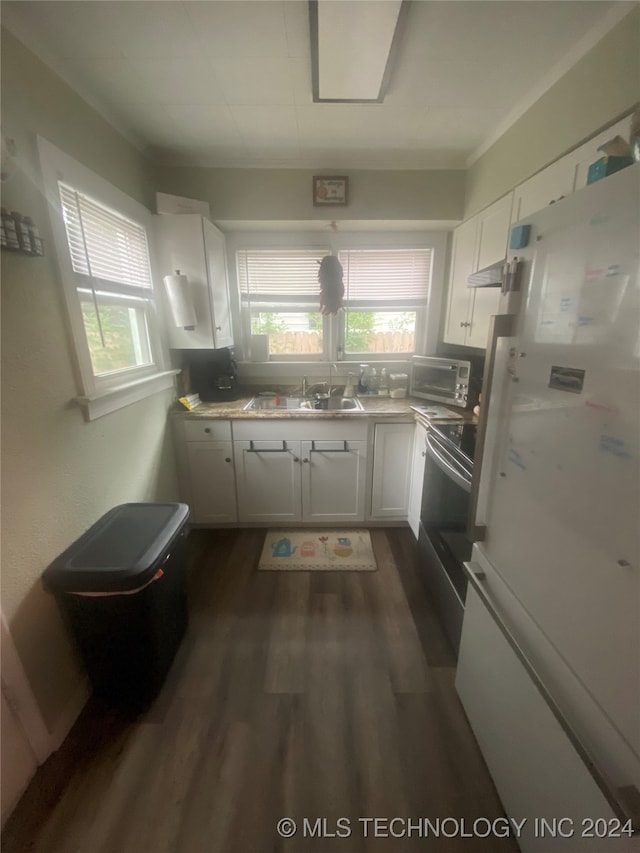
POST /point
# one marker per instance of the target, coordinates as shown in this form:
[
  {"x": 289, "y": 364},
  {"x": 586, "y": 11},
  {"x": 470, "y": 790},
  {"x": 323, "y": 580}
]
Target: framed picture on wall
[{"x": 330, "y": 190}]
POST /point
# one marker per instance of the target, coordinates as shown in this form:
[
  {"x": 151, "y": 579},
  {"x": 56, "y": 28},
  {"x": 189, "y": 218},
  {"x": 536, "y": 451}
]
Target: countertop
[{"x": 378, "y": 407}]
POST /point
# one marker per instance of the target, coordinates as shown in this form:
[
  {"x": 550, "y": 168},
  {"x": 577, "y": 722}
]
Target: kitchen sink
[
  {"x": 301, "y": 404},
  {"x": 332, "y": 404}
]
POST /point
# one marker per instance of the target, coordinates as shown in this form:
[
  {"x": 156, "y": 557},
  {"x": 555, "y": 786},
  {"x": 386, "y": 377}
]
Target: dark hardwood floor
[{"x": 294, "y": 694}]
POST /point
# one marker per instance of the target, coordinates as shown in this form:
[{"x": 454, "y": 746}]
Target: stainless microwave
[{"x": 444, "y": 380}]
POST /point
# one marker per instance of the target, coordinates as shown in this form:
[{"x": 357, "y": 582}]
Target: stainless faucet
[
  {"x": 332, "y": 367},
  {"x": 305, "y": 386}
]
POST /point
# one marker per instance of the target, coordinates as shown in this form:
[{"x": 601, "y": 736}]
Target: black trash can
[{"x": 122, "y": 587}]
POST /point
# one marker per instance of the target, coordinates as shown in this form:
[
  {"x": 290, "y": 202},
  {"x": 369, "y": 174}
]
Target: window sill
[{"x": 124, "y": 395}]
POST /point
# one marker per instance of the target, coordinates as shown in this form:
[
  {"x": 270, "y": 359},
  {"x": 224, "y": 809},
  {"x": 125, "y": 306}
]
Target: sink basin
[
  {"x": 300, "y": 404},
  {"x": 333, "y": 404}
]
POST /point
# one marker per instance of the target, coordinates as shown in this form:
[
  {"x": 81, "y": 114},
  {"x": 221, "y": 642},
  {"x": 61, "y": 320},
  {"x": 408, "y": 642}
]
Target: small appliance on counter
[
  {"x": 398, "y": 385},
  {"x": 214, "y": 374},
  {"x": 455, "y": 382}
]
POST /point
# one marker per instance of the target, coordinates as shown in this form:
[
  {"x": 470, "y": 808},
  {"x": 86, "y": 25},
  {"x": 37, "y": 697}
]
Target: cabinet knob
[
  {"x": 218, "y": 328},
  {"x": 296, "y": 459},
  {"x": 207, "y": 429},
  {"x": 424, "y": 453},
  {"x": 227, "y": 459},
  {"x": 305, "y": 460}
]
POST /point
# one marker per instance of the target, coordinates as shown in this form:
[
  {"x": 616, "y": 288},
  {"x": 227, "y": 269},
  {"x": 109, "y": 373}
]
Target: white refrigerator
[{"x": 549, "y": 665}]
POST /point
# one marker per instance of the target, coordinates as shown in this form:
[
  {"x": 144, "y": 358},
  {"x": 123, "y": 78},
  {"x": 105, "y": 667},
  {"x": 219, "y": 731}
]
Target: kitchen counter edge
[{"x": 378, "y": 407}]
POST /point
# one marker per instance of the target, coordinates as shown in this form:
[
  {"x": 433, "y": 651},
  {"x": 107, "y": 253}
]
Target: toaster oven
[{"x": 444, "y": 380}]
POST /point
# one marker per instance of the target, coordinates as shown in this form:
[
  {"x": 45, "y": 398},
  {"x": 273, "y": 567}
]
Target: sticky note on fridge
[{"x": 519, "y": 236}]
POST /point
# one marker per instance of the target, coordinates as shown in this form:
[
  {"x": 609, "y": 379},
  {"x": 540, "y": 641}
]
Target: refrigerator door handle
[
  {"x": 437, "y": 453},
  {"x": 502, "y": 326},
  {"x": 623, "y": 800}
]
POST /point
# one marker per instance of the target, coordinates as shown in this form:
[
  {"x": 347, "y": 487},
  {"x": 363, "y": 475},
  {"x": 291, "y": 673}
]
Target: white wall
[
  {"x": 286, "y": 194},
  {"x": 595, "y": 92},
  {"x": 59, "y": 473}
]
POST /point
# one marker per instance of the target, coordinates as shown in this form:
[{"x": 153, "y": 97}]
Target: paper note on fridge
[{"x": 582, "y": 316}]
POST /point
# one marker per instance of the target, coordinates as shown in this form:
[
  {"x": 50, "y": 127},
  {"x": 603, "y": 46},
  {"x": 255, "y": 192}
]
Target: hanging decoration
[{"x": 331, "y": 286}]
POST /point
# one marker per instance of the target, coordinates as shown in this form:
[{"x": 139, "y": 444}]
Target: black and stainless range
[{"x": 443, "y": 541}]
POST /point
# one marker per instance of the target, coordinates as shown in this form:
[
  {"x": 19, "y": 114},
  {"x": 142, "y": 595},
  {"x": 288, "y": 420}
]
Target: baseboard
[{"x": 310, "y": 525}]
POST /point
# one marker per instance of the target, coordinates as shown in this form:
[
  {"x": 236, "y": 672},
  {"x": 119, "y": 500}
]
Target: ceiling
[{"x": 219, "y": 83}]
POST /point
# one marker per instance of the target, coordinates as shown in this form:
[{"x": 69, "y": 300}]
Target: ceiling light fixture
[{"x": 353, "y": 43}]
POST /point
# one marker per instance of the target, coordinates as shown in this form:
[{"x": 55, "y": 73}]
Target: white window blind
[
  {"x": 400, "y": 276},
  {"x": 104, "y": 244},
  {"x": 279, "y": 275}
]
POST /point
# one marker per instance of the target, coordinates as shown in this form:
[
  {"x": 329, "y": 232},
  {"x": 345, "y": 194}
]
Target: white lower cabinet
[
  {"x": 300, "y": 471},
  {"x": 392, "y": 454},
  {"x": 206, "y": 470},
  {"x": 268, "y": 480},
  {"x": 333, "y": 480},
  {"x": 213, "y": 489},
  {"x": 417, "y": 477}
]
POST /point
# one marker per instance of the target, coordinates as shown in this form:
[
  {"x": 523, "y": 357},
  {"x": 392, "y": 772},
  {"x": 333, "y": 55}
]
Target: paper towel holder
[{"x": 180, "y": 300}]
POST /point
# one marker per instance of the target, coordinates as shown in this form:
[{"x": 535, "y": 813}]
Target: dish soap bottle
[
  {"x": 383, "y": 384},
  {"x": 349, "y": 391},
  {"x": 367, "y": 383}
]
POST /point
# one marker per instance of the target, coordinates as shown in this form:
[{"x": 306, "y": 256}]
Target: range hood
[{"x": 491, "y": 276}]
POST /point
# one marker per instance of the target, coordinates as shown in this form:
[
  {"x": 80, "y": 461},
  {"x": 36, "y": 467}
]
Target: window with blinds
[
  {"x": 266, "y": 275},
  {"x": 102, "y": 243},
  {"x": 386, "y": 293},
  {"x": 400, "y": 276},
  {"x": 280, "y": 297},
  {"x": 110, "y": 258}
]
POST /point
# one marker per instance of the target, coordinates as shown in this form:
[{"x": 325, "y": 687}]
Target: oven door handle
[{"x": 439, "y": 456}]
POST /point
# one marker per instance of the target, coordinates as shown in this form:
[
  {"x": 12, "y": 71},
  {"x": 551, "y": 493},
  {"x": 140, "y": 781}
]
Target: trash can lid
[{"x": 121, "y": 551}]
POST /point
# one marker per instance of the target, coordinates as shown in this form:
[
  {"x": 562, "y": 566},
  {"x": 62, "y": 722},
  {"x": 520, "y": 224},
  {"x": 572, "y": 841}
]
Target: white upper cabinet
[
  {"x": 463, "y": 255},
  {"x": 493, "y": 232},
  {"x": 548, "y": 186},
  {"x": 194, "y": 246},
  {"x": 477, "y": 243},
  {"x": 588, "y": 153},
  {"x": 567, "y": 175}
]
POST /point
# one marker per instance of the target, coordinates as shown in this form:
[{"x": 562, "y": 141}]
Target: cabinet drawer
[
  {"x": 301, "y": 428},
  {"x": 197, "y": 430},
  {"x": 535, "y": 766}
]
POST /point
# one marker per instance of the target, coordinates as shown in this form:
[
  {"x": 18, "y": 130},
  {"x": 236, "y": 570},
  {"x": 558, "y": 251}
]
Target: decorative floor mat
[{"x": 318, "y": 550}]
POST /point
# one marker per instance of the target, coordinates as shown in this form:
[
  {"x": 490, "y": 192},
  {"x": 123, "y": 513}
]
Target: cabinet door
[
  {"x": 588, "y": 153},
  {"x": 509, "y": 717},
  {"x": 392, "y": 453},
  {"x": 462, "y": 265},
  {"x": 333, "y": 480},
  {"x": 212, "y": 482},
  {"x": 181, "y": 247},
  {"x": 548, "y": 186},
  {"x": 485, "y": 303},
  {"x": 268, "y": 480},
  {"x": 216, "y": 258},
  {"x": 493, "y": 232},
  {"x": 417, "y": 478}
]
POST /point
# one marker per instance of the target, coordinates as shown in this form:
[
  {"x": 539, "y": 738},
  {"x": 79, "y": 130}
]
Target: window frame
[
  {"x": 418, "y": 305},
  {"x": 247, "y": 305},
  {"x": 101, "y": 394},
  {"x": 428, "y": 314}
]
